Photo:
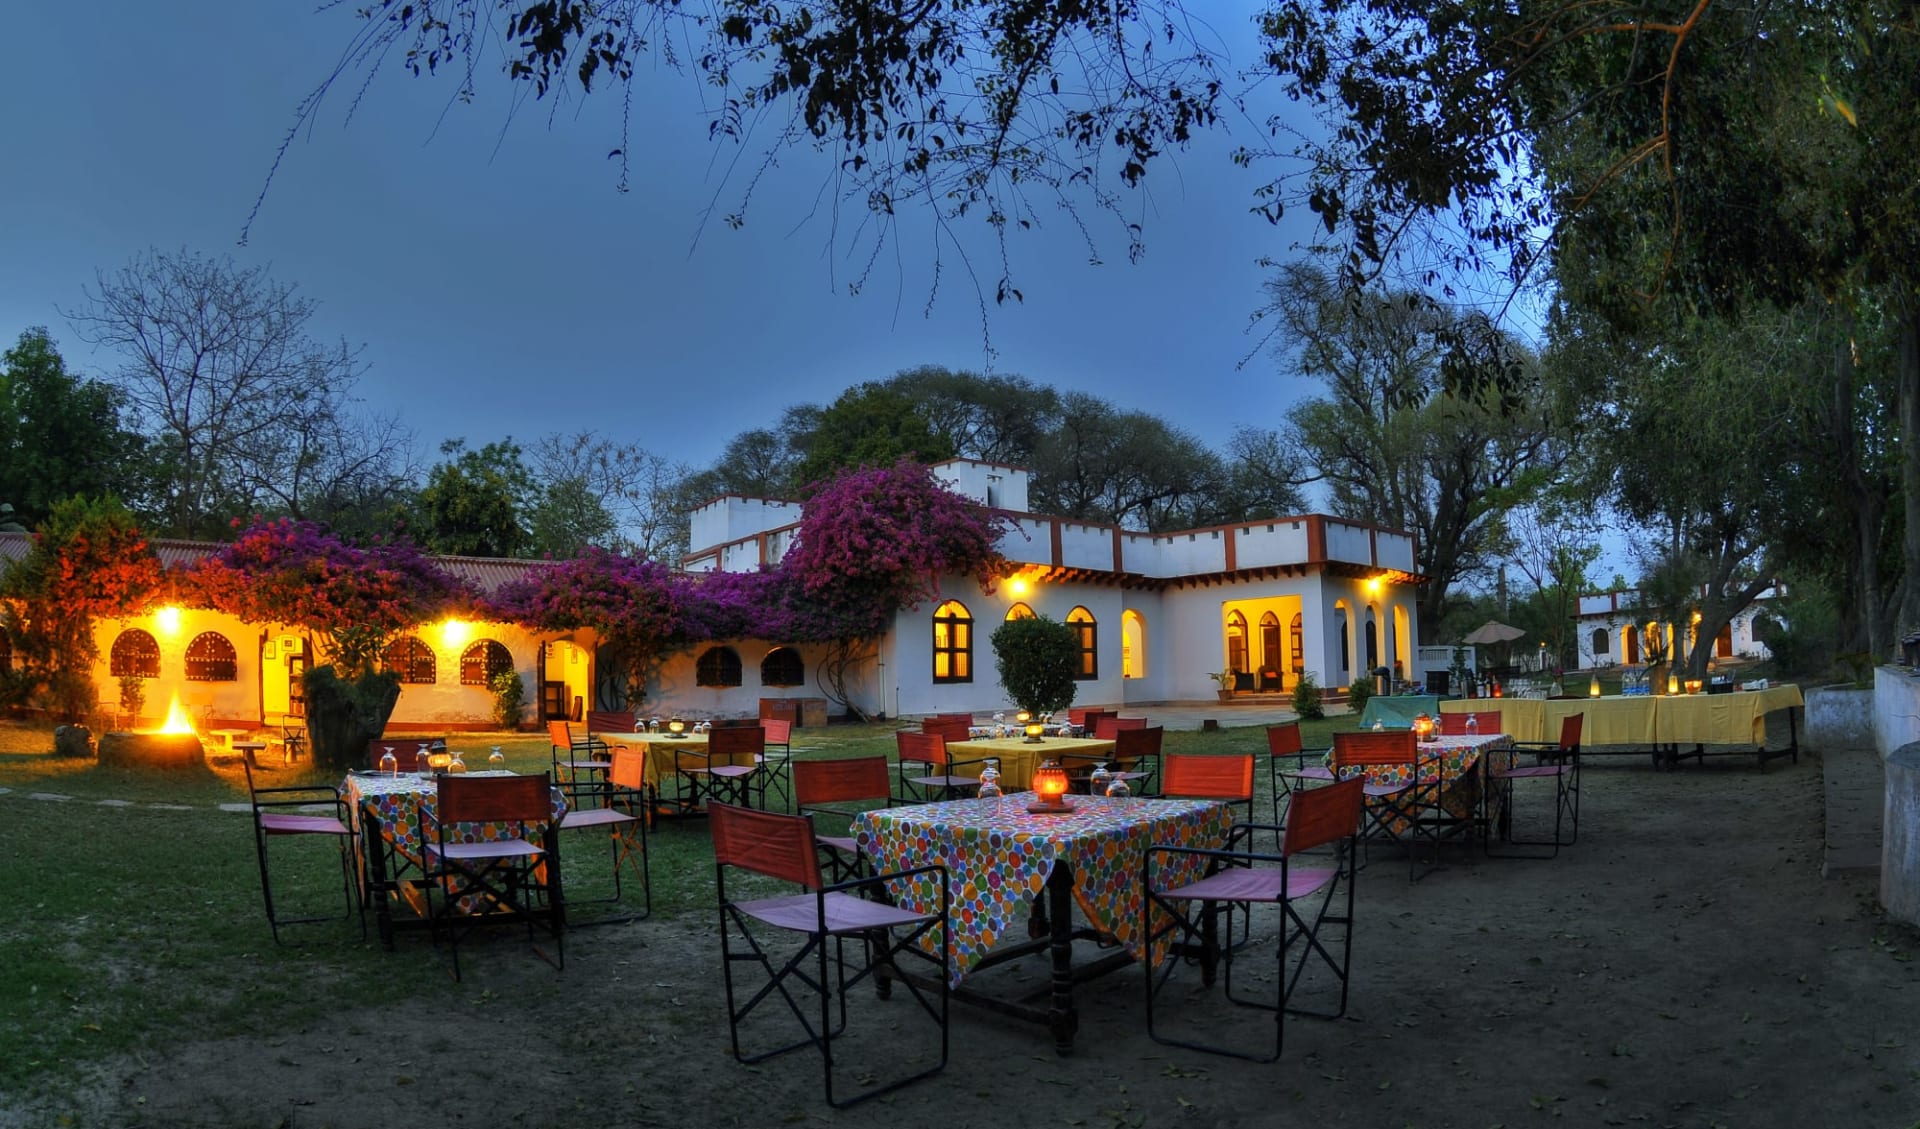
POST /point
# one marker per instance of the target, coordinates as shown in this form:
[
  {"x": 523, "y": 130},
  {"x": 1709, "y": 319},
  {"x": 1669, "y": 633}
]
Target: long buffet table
[{"x": 1657, "y": 724}]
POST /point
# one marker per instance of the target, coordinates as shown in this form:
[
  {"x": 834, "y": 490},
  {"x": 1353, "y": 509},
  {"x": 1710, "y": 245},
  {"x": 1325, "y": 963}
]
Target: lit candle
[
  {"x": 1673, "y": 684},
  {"x": 1050, "y": 785},
  {"x": 1593, "y": 687},
  {"x": 1423, "y": 727}
]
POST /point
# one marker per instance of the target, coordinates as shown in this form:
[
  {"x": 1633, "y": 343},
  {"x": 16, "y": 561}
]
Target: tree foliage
[
  {"x": 354, "y": 599},
  {"x": 89, "y": 560},
  {"x": 475, "y": 502},
  {"x": 1037, "y": 659},
  {"x": 60, "y": 435},
  {"x": 245, "y": 409}
]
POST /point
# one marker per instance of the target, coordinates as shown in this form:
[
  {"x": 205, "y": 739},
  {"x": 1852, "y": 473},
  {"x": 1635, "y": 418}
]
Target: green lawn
[{"x": 130, "y": 924}]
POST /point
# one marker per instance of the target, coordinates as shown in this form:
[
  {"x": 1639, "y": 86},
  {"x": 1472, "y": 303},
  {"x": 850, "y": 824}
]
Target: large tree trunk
[
  {"x": 1907, "y": 378},
  {"x": 343, "y": 717}
]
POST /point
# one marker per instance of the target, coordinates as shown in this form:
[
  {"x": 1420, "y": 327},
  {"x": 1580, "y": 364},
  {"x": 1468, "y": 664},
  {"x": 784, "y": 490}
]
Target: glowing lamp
[
  {"x": 1673, "y": 684},
  {"x": 1498, "y": 692},
  {"x": 1423, "y": 727},
  {"x": 1036, "y": 731},
  {"x": 1593, "y": 687},
  {"x": 438, "y": 761},
  {"x": 1049, "y": 788},
  {"x": 676, "y": 727},
  {"x": 1693, "y": 685},
  {"x": 167, "y": 619}
]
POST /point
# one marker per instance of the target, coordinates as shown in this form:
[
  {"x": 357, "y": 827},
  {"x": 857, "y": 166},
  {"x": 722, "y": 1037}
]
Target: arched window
[
  {"x": 482, "y": 660},
  {"x": 134, "y": 655},
  {"x": 210, "y": 658},
  {"x": 1019, "y": 611},
  {"x": 1297, "y": 657},
  {"x": 1133, "y": 644},
  {"x": 717, "y": 666},
  {"x": 1602, "y": 642},
  {"x": 782, "y": 667},
  {"x": 952, "y": 643},
  {"x": 411, "y": 659},
  {"x": 1088, "y": 633},
  {"x": 1269, "y": 643},
  {"x": 1236, "y": 642}
]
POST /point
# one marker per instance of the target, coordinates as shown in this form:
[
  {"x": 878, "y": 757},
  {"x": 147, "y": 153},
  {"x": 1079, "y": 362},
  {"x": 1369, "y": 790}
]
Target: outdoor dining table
[
  {"x": 1456, "y": 764},
  {"x": 1018, "y": 758},
  {"x": 389, "y": 812},
  {"x": 1658, "y": 724},
  {"x": 1397, "y": 711},
  {"x": 1010, "y": 867}
]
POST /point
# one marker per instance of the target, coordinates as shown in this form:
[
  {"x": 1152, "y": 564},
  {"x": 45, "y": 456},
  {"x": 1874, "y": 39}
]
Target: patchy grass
[{"x": 132, "y": 926}]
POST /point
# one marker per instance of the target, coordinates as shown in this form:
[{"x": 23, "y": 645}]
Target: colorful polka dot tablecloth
[
  {"x": 999, "y": 856},
  {"x": 1452, "y": 762},
  {"x": 401, "y": 802}
]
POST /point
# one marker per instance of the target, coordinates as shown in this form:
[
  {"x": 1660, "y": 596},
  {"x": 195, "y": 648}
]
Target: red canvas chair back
[
  {"x": 1570, "y": 728},
  {"x": 1109, "y": 724},
  {"x": 948, "y": 726},
  {"x": 1367, "y": 746},
  {"x": 1284, "y": 740},
  {"x": 495, "y": 799},
  {"x": 1455, "y": 724},
  {"x": 610, "y": 721},
  {"x": 778, "y": 731},
  {"x": 559, "y": 735},
  {"x": 1317, "y": 816},
  {"x": 922, "y": 748},
  {"x": 839, "y": 781},
  {"x": 410, "y": 752},
  {"x": 770, "y": 843},
  {"x": 1206, "y": 777},
  {"x": 629, "y": 769},
  {"x": 736, "y": 741},
  {"x": 1089, "y": 719},
  {"x": 1129, "y": 745}
]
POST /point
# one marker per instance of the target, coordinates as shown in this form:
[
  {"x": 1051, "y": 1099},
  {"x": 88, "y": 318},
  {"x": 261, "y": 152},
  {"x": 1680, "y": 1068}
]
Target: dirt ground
[{"x": 1684, "y": 965}]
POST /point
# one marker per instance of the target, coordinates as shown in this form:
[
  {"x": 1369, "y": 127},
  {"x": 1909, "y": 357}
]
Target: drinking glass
[
  {"x": 497, "y": 760},
  {"x": 990, "y": 790},
  {"x": 389, "y": 764},
  {"x": 456, "y": 761}
]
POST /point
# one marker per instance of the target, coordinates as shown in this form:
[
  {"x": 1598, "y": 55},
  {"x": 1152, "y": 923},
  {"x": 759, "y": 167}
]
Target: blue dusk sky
[{"x": 501, "y": 284}]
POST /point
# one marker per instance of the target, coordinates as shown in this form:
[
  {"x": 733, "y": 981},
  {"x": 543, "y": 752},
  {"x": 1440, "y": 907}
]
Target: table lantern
[
  {"x": 1673, "y": 684},
  {"x": 1693, "y": 685},
  {"x": 438, "y": 760},
  {"x": 1035, "y": 728},
  {"x": 1050, "y": 786},
  {"x": 1022, "y": 717},
  {"x": 1423, "y": 727},
  {"x": 1593, "y": 687},
  {"x": 676, "y": 727},
  {"x": 1498, "y": 692}
]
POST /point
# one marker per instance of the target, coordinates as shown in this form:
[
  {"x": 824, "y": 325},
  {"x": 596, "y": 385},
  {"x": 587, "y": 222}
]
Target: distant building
[
  {"x": 1158, "y": 613},
  {"x": 1614, "y": 628}
]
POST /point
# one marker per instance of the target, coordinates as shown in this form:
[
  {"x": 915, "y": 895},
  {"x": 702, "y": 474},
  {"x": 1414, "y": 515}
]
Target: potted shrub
[
  {"x": 1224, "y": 679},
  {"x": 1037, "y": 658}
]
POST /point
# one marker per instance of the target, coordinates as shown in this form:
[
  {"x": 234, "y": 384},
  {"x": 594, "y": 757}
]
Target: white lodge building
[{"x": 1158, "y": 614}]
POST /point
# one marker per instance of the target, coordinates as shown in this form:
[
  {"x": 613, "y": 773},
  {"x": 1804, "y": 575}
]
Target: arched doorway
[{"x": 1133, "y": 644}]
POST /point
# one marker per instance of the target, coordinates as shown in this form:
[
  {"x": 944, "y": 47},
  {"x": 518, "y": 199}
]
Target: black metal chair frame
[
  {"x": 933, "y": 787},
  {"x": 515, "y": 880},
  {"x": 1280, "y": 781},
  {"x": 623, "y": 811},
  {"x": 1564, "y": 759},
  {"x": 833, "y": 983},
  {"x": 1198, "y": 939},
  {"x": 296, "y": 801}
]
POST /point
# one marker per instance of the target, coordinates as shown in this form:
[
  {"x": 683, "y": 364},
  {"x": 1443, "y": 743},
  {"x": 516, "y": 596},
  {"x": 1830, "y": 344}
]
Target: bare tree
[
  {"x": 635, "y": 490},
  {"x": 244, "y": 404}
]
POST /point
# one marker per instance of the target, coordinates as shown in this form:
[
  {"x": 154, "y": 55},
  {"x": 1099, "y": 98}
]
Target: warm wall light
[
  {"x": 1373, "y": 585},
  {"x": 1019, "y": 586},
  {"x": 454, "y": 632},
  {"x": 167, "y": 619}
]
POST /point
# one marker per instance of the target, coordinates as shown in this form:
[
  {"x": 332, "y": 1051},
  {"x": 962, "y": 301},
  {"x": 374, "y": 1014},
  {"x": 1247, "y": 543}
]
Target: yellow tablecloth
[
  {"x": 1017, "y": 758},
  {"x": 1642, "y": 720},
  {"x": 667, "y": 755}
]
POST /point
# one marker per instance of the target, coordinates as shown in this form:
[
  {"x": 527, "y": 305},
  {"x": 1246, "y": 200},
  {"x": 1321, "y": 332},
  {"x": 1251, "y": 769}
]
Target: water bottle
[
  {"x": 990, "y": 791},
  {"x": 1117, "y": 788},
  {"x": 497, "y": 760},
  {"x": 1378, "y": 725},
  {"x": 1101, "y": 778},
  {"x": 456, "y": 762},
  {"x": 389, "y": 763},
  {"x": 1473, "y": 725}
]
